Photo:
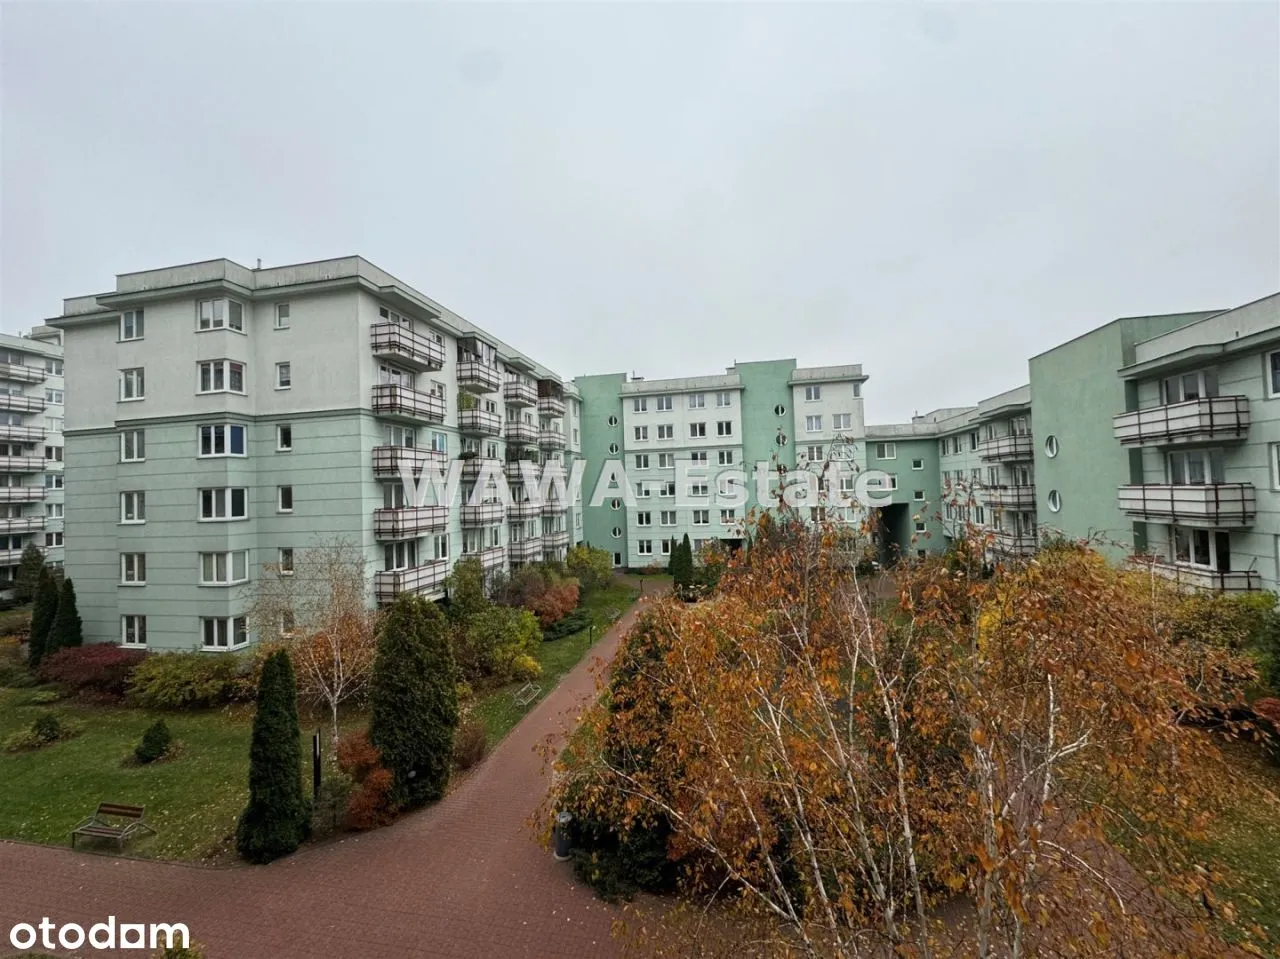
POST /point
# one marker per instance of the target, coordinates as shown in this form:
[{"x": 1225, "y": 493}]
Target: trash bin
[{"x": 561, "y": 833}]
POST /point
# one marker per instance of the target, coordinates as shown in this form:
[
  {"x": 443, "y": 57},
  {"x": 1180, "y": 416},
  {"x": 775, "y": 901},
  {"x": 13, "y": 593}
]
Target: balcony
[
  {"x": 406, "y": 522},
  {"x": 526, "y": 551},
  {"x": 477, "y": 377},
  {"x": 553, "y": 508},
  {"x": 1008, "y": 543},
  {"x": 22, "y": 434},
  {"x": 473, "y": 466},
  {"x": 423, "y": 580},
  {"x": 1211, "y": 418},
  {"x": 403, "y": 346},
  {"x": 479, "y": 422},
  {"x": 10, "y": 557},
  {"x": 23, "y": 464},
  {"x": 483, "y": 514},
  {"x": 523, "y": 510},
  {"x": 21, "y": 404},
  {"x": 492, "y": 557},
  {"x": 1203, "y": 505},
  {"x": 551, "y": 405},
  {"x": 550, "y": 439},
  {"x": 1010, "y": 497},
  {"x": 513, "y": 431},
  {"x": 400, "y": 402},
  {"x": 22, "y": 494},
  {"x": 519, "y": 393},
  {"x": 22, "y": 524},
  {"x": 514, "y": 472},
  {"x": 18, "y": 373},
  {"x": 555, "y": 539},
  {"x": 1008, "y": 449},
  {"x": 387, "y": 459},
  {"x": 1198, "y": 577}
]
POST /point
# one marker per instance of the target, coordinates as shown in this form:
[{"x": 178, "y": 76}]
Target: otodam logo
[{"x": 101, "y": 935}]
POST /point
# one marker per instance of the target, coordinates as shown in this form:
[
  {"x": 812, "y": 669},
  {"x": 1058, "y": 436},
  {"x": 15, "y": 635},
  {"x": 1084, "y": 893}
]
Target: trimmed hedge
[
  {"x": 575, "y": 622},
  {"x": 184, "y": 681},
  {"x": 101, "y": 670}
]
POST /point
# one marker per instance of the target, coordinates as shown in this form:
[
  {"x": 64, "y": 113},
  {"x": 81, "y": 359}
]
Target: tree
[
  {"x": 43, "y": 611},
  {"x": 66, "y": 629},
  {"x": 495, "y": 642},
  {"x": 30, "y": 566},
  {"x": 414, "y": 700},
  {"x": 593, "y": 568},
  {"x": 320, "y": 611},
  {"x": 682, "y": 567},
  {"x": 274, "y": 823},
  {"x": 466, "y": 591}
]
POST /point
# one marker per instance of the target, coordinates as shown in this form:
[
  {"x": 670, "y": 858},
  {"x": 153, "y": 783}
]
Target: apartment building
[
  {"x": 690, "y": 448},
  {"x": 32, "y": 394},
  {"x": 225, "y": 418}
]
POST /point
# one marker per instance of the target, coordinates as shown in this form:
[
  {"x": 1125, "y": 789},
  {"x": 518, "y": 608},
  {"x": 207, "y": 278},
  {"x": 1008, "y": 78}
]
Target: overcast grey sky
[{"x": 936, "y": 192}]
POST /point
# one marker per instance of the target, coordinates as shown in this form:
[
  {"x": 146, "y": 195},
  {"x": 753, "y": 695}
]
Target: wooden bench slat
[
  {"x": 115, "y": 809},
  {"x": 99, "y": 831}
]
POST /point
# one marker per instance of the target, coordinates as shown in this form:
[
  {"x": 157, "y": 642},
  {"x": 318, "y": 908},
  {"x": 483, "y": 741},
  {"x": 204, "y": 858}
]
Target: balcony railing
[
  {"x": 1009, "y": 543},
  {"x": 23, "y": 464},
  {"x": 555, "y": 539},
  {"x": 519, "y": 393},
  {"x": 492, "y": 557},
  {"x": 551, "y": 439},
  {"x": 406, "y": 522},
  {"x": 1008, "y": 449},
  {"x": 1197, "y": 577},
  {"x": 1010, "y": 497},
  {"x": 391, "y": 399},
  {"x": 551, "y": 406},
  {"x": 22, "y": 494},
  {"x": 10, "y": 557},
  {"x": 474, "y": 465},
  {"x": 523, "y": 510},
  {"x": 1204, "y": 505},
  {"x": 477, "y": 377},
  {"x": 516, "y": 432},
  {"x": 553, "y": 508},
  {"x": 19, "y": 373},
  {"x": 526, "y": 550},
  {"x": 21, "y": 404},
  {"x": 515, "y": 473},
  {"x": 483, "y": 514},
  {"x": 402, "y": 345},
  {"x": 1217, "y": 418},
  {"x": 479, "y": 422},
  {"x": 22, "y": 524},
  {"x": 24, "y": 434},
  {"x": 425, "y": 579},
  {"x": 387, "y": 459}
]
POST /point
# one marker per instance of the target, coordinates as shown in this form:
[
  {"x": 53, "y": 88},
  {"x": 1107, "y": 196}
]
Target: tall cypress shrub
[
  {"x": 414, "y": 700},
  {"x": 43, "y": 611},
  {"x": 274, "y": 823},
  {"x": 682, "y": 567},
  {"x": 30, "y": 566},
  {"x": 66, "y": 630}
]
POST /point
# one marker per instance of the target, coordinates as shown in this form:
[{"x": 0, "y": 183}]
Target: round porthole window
[
  {"x": 1055, "y": 500},
  {"x": 782, "y": 438},
  {"x": 1051, "y": 446},
  {"x": 613, "y": 449},
  {"x": 613, "y": 421},
  {"x": 779, "y": 410},
  {"x": 617, "y": 532},
  {"x": 615, "y": 504}
]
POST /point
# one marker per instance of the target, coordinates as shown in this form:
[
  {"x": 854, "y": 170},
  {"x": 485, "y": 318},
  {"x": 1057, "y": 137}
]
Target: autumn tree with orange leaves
[{"x": 951, "y": 770}]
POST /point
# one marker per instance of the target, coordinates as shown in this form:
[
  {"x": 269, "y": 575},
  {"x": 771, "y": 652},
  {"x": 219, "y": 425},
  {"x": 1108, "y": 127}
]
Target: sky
[{"x": 934, "y": 191}]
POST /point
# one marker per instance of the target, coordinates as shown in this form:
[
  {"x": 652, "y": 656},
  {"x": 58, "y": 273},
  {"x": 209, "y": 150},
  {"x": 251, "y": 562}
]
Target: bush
[
  {"x": 618, "y": 866},
  {"x": 47, "y": 729},
  {"x": 593, "y": 568},
  {"x": 465, "y": 589},
  {"x": 470, "y": 744},
  {"x": 541, "y": 589},
  {"x": 155, "y": 743},
  {"x": 66, "y": 630},
  {"x": 575, "y": 622},
  {"x": 371, "y": 806},
  {"x": 525, "y": 668},
  {"x": 183, "y": 681},
  {"x": 488, "y": 646},
  {"x": 43, "y": 611},
  {"x": 102, "y": 670},
  {"x": 556, "y": 603},
  {"x": 30, "y": 567},
  {"x": 329, "y": 814}
]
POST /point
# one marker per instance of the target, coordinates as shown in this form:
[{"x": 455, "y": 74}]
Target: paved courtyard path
[{"x": 463, "y": 878}]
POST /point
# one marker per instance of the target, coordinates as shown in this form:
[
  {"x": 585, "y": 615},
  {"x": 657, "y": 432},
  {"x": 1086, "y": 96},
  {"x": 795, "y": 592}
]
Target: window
[
  {"x": 221, "y": 440},
  {"x": 644, "y": 547},
  {"x": 440, "y": 544},
  {"x": 724, "y": 399},
  {"x": 285, "y": 561},
  {"x": 1055, "y": 500},
  {"x": 402, "y": 555},
  {"x": 133, "y": 507},
  {"x": 1201, "y": 547},
  {"x": 918, "y": 496},
  {"x": 640, "y": 404},
  {"x": 841, "y": 421},
  {"x": 642, "y": 432},
  {"x": 1196, "y": 467},
  {"x": 1188, "y": 386},
  {"x": 667, "y": 517},
  {"x": 664, "y": 405},
  {"x": 282, "y": 316},
  {"x": 53, "y": 454},
  {"x": 133, "y": 569},
  {"x": 644, "y": 519},
  {"x": 284, "y": 438},
  {"x": 617, "y": 559},
  {"x": 813, "y": 424},
  {"x": 724, "y": 428},
  {"x": 1273, "y": 379},
  {"x": 131, "y": 327},
  {"x": 725, "y": 457},
  {"x": 702, "y": 517},
  {"x": 52, "y": 365},
  {"x": 54, "y": 423},
  {"x": 666, "y": 431},
  {"x": 813, "y": 453},
  {"x": 812, "y": 393},
  {"x": 284, "y": 499},
  {"x": 224, "y": 633},
  {"x": 697, "y": 430},
  {"x": 51, "y": 540},
  {"x": 642, "y": 490},
  {"x": 284, "y": 379},
  {"x": 224, "y": 569},
  {"x": 727, "y": 517},
  {"x": 666, "y": 461},
  {"x": 53, "y": 480},
  {"x": 668, "y": 489},
  {"x": 887, "y": 451},
  {"x": 616, "y": 533},
  {"x": 133, "y": 446},
  {"x": 439, "y": 441},
  {"x": 224, "y": 503},
  {"x": 642, "y": 461},
  {"x": 698, "y": 489},
  {"x": 666, "y": 547},
  {"x": 217, "y": 314},
  {"x": 56, "y": 396},
  {"x": 920, "y": 527},
  {"x": 697, "y": 401},
  {"x": 132, "y": 386},
  {"x": 221, "y": 376},
  {"x": 53, "y": 510},
  {"x": 133, "y": 630},
  {"x": 917, "y": 464},
  {"x": 698, "y": 457}
]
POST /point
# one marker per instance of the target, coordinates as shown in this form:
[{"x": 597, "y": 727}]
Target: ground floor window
[
  {"x": 133, "y": 630},
  {"x": 1209, "y": 549},
  {"x": 224, "y": 632}
]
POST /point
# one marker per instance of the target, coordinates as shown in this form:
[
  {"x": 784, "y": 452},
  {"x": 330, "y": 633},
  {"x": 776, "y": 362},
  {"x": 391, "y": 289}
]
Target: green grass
[
  {"x": 15, "y": 620},
  {"x": 497, "y": 708}
]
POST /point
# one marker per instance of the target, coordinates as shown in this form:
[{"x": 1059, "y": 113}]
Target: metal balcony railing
[
  {"x": 1204, "y": 505},
  {"x": 1009, "y": 497},
  {"x": 1009, "y": 543},
  {"x": 1217, "y": 418},
  {"x": 387, "y": 459},
  {"x": 477, "y": 377},
  {"x": 473, "y": 466},
  {"x": 553, "y": 508},
  {"x": 1198, "y": 577},
  {"x": 22, "y": 494},
  {"x": 425, "y": 579},
  {"x": 402, "y": 345},
  {"x": 551, "y": 439},
  {"x": 10, "y": 557},
  {"x": 526, "y": 509},
  {"x": 406, "y": 522},
  {"x": 515, "y": 473},
  {"x": 391, "y": 399},
  {"x": 22, "y": 524},
  {"x": 21, "y": 404},
  {"x": 491, "y": 557},
  {"x": 19, "y": 373},
  {"x": 22, "y": 434},
  {"x": 519, "y": 393},
  {"x": 483, "y": 514},
  {"x": 1008, "y": 449},
  {"x": 516, "y": 432},
  {"x": 555, "y": 539},
  {"x": 23, "y": 464},
  {"x": 551, "y": 406},
  {"x": 526, "y": 550},
  {"x": 479, "y": 422}
]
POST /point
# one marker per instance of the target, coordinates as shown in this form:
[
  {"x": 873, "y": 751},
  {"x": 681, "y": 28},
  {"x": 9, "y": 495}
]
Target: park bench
[
  {"x": 113, "y": 821},
  {"x": 527, "y": 694}
]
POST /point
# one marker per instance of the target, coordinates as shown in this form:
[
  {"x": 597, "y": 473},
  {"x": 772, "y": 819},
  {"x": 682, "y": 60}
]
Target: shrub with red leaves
[
  {"x": 370, "y": 805},
  {"x": 100, "y": 671},
  {"x": 1268, "y": 710},
  {"x": 555, "y": 603}
]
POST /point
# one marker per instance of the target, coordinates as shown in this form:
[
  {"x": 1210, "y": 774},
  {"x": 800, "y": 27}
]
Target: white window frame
[
  {"x": 697, "y": 401},
  {"x": 130, "y": 566},
  {"x": 138, "y": 499},
  {"x": 813, "y": 424},
  {"x": 917, "y": 464},
  {"x": 134, "y": 624},
  {"x": 644, "y": 518},
  {"x": 226, "y": 429},
  {"x": 724, "y": 400},
  {"x": 219, "y": 322},
  {"x": 697, "y": 431},
  {"x": 228, "y": 560},
  {"x": 886, "y": 451},
  {"x": 285, "y": 560},
  {"x": 281, "y": 314},
  {"x": 667, "y": 517},
  {"x": 664, "y": 404},
  {"x": 222, "y": 497},
  {"x": 666, "y": 461},
  {"x": 702, "y": 517},
  {"x": 642, "y": 461},
  {"x": 666, "y": 431},
  {"x": 226, "y": 368},
  {"x": 644, "y": 547},
  {"x": 133, "y": 384},
  {"x": 228, "y": 628},
  {"x": 136, "y": 436},
  {"x": 642, "y": 434},
  {"x": 132, "y": 326},
  {"x": 842, "y": 421},
  {"x": 281, "y": 445},
  {"x": 640, "y": 404},
  {"x": 284, "y": 375},
  {"x": 918, "y": 496},
  {"x": 724, "y": 428},
  {"x": 280, "y": 496},
  {"x": 725, "y": 457},
  {"x": 813, "y": 394}
]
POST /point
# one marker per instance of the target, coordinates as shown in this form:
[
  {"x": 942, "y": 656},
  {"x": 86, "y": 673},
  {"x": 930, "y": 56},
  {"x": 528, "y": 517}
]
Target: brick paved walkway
[{"x": 463, "y": 878}]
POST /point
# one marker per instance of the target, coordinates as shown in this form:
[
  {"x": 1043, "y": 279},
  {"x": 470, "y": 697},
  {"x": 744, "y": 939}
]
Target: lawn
[{"x": 15, "y": 620}]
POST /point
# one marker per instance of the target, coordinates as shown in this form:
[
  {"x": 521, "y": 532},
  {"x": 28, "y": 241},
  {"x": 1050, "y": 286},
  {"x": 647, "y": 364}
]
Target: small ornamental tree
[
  {"x": 465, "y": 588},
  {"x": 592, "y": 567},
  {"x": 682, "y": 567},
  {"x": 66, "y": 629},
  {"x": 30, "y": 566},
  {"x": 43, "y": 611},
  {"x": 414, "y": 700},
  {"x": 274, "y": 823}
]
